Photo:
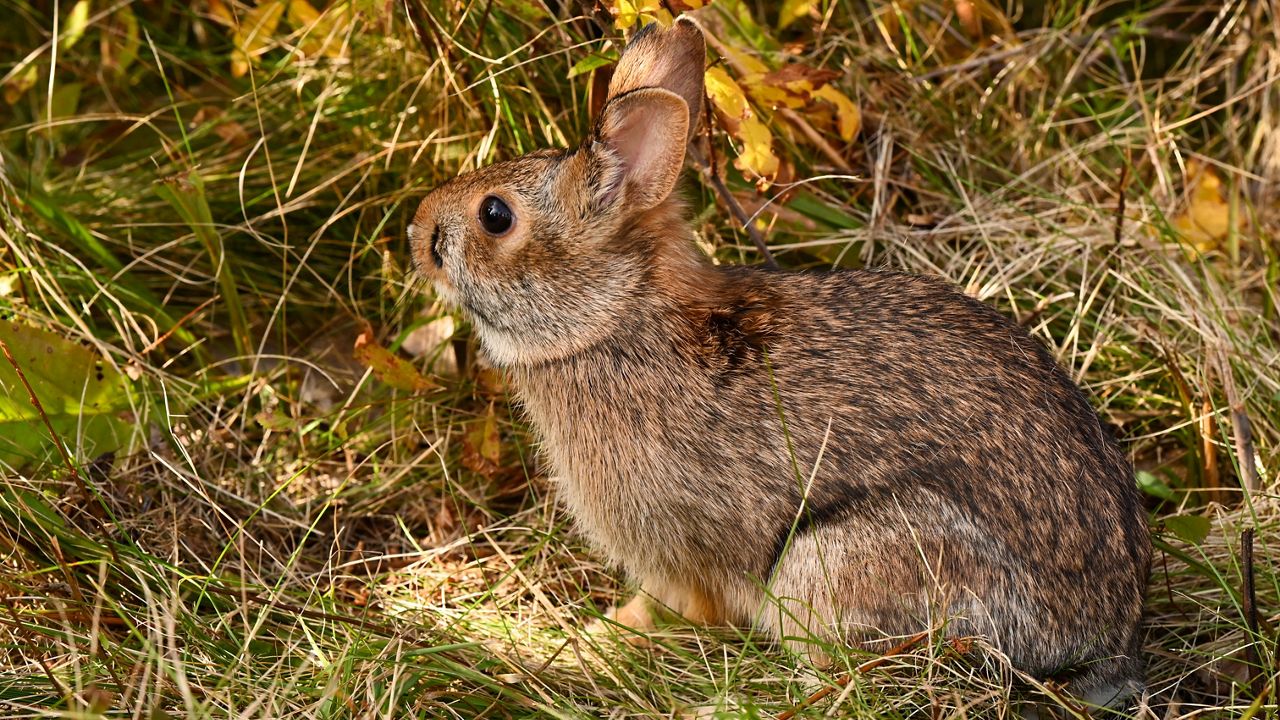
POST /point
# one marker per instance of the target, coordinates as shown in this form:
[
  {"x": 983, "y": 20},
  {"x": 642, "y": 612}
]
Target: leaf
[
  {"x": 849, "y": 119},
  {"x": 128, "y": 51},
  {"x": 74, "y": 26},
  {"x": 387, "y": 366},
  {"x": 593, "y": 61},
  {"x": 86, "y": 400},
  {"x": 323, "y": 34},
  {"x": 629, "y": 13},
  {"x": 482, "y": 446},
  {"x": 1190, "y": 528},
  {"x": 1206, "y": 221},
  {"x": 793, "y": 10},
  {"x": 757, "y": 149},
  {"x": 254, "y": 35},
  {"x": 756, "y": 156},
  {"x": 432, "y": 339},
  {"x": 302, "y": 14},
  {"x": 276, "y": 420},
  {"x": 219, "y": 11},
  {"x": 19, "y": 84},
  {"x": 1153, "y": 486},
  {"x": 65, "y": 101}
]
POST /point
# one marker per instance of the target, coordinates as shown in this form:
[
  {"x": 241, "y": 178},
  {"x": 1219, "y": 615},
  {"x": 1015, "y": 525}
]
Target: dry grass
[{"x": 289, "y": 536}]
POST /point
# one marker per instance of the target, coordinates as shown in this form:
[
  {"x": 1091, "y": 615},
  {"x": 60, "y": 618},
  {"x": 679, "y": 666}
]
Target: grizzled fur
[{"x": 849, "y": 454}]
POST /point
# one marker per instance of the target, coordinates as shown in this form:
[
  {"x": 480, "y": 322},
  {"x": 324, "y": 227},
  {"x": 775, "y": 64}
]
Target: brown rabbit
[{"x": 835, "y": 455}]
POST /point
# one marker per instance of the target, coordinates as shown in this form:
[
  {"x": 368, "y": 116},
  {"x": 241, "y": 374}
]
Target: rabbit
[{"x": 830, "y": 457}]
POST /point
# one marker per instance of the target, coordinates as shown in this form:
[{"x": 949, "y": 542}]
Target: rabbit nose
[{"x": 435, "y": 247}]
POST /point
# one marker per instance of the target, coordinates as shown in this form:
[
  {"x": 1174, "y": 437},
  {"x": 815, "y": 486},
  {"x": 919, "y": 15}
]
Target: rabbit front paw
[{"x": 630, "y": 623}]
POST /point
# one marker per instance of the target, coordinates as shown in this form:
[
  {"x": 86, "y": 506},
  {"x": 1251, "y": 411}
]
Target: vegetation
[{"x": 288, "y": 488}]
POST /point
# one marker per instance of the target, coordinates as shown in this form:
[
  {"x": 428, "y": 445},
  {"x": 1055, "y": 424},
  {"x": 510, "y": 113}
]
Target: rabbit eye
[{"x": 495, "y": 216}]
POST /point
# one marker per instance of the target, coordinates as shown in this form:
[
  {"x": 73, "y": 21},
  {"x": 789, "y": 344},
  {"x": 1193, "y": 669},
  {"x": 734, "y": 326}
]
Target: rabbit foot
[{"x": 628, "y": 622}]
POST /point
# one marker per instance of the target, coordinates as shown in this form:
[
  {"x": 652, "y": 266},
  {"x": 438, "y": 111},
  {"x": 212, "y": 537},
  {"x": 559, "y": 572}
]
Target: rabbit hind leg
[{"x": 848, "y": 582}]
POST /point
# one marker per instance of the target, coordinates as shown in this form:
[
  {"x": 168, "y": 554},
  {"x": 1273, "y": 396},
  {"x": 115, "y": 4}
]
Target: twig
[
  {"x": 847, "y": 678},
  {"x": 599, "y": 15},
  {"x": 1054, "y": 691},
  {"x": 1241, "y": 429},
  {"x": 1250, "y": 598},
  {"x": 1209, "y": 453},
  {"x": 734, "y": 208},
  {"x": 484, "y": 20},
  {"x": 1121, "y": 187},
  {"x": 165, "y": 336}
]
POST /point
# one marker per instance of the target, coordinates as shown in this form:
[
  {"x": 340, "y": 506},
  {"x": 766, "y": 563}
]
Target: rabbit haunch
[{"x": 846, "y": 455}]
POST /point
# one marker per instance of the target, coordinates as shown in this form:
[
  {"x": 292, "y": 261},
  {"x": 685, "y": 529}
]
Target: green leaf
[
  {"x": 86, "y": 400},
  {"x": 591, "y": 62},
  {"x": 128, "y": 51},
  {"x": 1153, "y": 486},
  {"x": 74, "y": 26},
  {"x": 64, "y": 102},
  {"x": 1191, "y": 528}
]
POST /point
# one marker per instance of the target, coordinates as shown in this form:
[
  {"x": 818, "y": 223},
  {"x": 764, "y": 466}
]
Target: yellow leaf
[
  {"x": 772, "y": 96},
  {"x": 302, "y": 14},
  {"x": 725, "y": 94},
  {"x": 627, "y": 13},
  {"x": 793, "y": 10},
  {"x": 757, "y": 149},
  {"x": 323, "y": 34},
  {"x": 850, "y": 119},
  {"x": 756, "y": 156},
  {"x": 74, "y": 26},
  {"x": 254, "y": 35},
  {"x": 791, "y": 86},
  {"x": 750, "y": 64},
  {"x": 218, "y": 11},
  {"x": 482, "y": 446},
  {"x": 1206, "y": 221},
  {"x": 19, "y": 84}
]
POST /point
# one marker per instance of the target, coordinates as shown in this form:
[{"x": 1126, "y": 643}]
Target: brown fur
[{"x": 841, "y": 455}]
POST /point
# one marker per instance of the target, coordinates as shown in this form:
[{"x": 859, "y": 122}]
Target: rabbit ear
[
  {"x": 645, "y": 132},
  {"x": 672, "y": 59}
]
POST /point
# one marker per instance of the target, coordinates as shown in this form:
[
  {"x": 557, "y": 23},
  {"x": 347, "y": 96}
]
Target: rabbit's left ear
[
  {"x": 655, "y": 100},
  {"x": 672, "y": 59},
  {"x": 645, "y": 132}
]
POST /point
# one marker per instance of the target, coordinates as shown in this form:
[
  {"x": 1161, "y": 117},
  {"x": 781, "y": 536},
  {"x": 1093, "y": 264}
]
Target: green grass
[{"x": 288, "y": 535}]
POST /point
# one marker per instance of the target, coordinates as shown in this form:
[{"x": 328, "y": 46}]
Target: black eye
[{"x": 495, "y": 217}]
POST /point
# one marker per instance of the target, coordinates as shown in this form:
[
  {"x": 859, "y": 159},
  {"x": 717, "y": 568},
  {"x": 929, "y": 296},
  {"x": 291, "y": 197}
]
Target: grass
[{"x": 290, "y": 534}]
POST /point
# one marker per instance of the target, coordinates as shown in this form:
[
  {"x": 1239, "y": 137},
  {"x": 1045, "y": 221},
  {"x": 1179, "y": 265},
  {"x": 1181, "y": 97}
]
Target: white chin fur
[
  {"x": 501, "y": 349},
  {"x": 447, "y": 294}
]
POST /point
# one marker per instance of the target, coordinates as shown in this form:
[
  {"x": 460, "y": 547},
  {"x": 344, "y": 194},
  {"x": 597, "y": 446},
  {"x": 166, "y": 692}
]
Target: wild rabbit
[{"x": 842, "y": 455}]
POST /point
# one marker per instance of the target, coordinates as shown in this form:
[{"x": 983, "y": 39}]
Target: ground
[{"x": 290, "y": 488}]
